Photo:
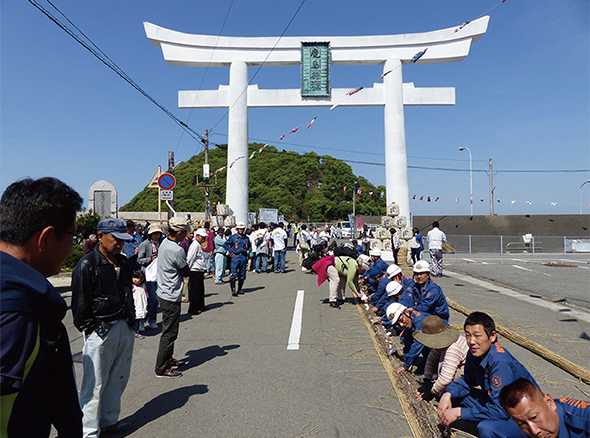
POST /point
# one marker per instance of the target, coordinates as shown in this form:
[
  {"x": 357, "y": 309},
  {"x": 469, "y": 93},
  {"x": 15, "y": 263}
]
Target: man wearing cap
[
  {"x": 392, "y": 294},
  {"x": 409, "y": 320},
  {"x": 146, "y": 255},
  {"x": 172, "y": 267},
  {"x": 103, "y": 309},
  {"x": 446, "y": 359},
  {"x": 37, "y": 381},
  {"x": 393, "y": 273},
  {"x": 428, "y": 296},
  {"x": 238, "y": 246},
  {"x": 198, "y": 265},
  {"x": 435, "y": 238},
  {"x": 538, "y": 414}
]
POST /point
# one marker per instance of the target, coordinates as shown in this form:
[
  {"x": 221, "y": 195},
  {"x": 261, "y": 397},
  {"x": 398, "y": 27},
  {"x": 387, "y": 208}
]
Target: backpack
[
  {"x": 345, "y": 251},
  {"x": 310, "y": 260}
]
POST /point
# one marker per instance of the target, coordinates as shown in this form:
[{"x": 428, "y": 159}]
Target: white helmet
[
  {"x": 375, "y": 252},
  {"x": 393, "y": 288},
  {"x": 394, "y": 311},
  {"x": 393, "y": 270},
  {"x": 421, "y": 266},
  {"x": 241, "y": 225},
  {"x": 364, "y": 261}
]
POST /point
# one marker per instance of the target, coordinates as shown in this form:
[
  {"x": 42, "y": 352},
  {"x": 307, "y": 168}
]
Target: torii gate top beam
[{"x": 444, "y": 45}]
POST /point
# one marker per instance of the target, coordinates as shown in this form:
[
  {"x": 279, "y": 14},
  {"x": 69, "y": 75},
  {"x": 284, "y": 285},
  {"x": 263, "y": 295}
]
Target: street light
[
  {"x": 470, "y": 178},
  {"x": 583, "y": 184}
]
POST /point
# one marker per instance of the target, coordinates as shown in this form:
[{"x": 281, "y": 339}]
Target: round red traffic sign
[{"x": 166, "y": 181}]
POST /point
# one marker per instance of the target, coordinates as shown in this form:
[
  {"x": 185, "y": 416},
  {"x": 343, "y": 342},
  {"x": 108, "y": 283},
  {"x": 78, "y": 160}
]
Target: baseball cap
[
  {"x": 179, "y": 224},
  {"x": 155, "y": 228},
  {"x": 202, "y": 232},
  {"x": 116, "y": 227}
]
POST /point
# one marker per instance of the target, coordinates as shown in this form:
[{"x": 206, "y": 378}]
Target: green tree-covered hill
[{"x": 300, "y": 186}]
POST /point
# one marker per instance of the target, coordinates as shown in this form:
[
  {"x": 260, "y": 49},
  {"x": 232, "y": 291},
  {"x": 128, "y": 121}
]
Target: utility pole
[
  {"x": 170, "y": 170},
  {"x": 491, "y": 188},
  {"x": 354, "y": 211},
  {"x": 206, "y": 175}
]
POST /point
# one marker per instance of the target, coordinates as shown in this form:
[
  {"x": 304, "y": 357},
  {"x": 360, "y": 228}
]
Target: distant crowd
[{"x": 130, "y": 271}]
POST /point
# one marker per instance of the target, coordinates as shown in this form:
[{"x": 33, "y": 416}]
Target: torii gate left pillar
[{"x": 392, "y": 51}]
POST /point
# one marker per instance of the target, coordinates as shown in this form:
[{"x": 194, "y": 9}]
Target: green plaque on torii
[{"x": 315, "y": 69}]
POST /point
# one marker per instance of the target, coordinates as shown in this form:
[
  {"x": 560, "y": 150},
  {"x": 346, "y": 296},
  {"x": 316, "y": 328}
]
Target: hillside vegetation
[{"x": 302, "y": 187}]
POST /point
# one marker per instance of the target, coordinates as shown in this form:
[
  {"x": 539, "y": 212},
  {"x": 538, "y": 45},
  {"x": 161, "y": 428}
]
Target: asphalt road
[{"x": 242, "y": 379}]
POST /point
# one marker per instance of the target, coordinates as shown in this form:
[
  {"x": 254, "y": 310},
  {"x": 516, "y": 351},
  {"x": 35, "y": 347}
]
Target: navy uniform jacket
[
  {"x": 497, "y": 369},
  {"x": 374, "y": 274},
  {"x": 37, "y": 383},
  {"x": 431, "y": 300},
  {"x": 238, "y": 244},
  {"x": 574, "y": 418},
  {"x": 413, "y": 348}
]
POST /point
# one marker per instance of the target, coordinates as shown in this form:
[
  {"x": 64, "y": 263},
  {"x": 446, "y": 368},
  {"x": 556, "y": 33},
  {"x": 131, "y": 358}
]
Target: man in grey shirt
[{"x": 172, "y": 267}]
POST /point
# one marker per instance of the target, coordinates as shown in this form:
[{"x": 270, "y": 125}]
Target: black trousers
[
  {"x": 170, "y": 324},
  {"x": 196, "y": 292}
]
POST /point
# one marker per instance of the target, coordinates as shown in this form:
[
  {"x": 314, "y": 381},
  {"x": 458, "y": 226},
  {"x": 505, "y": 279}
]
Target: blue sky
[{"x": 522, "y": 97}]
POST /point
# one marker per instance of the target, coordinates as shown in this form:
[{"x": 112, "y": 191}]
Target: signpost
[{"x": 166, "y": 181}]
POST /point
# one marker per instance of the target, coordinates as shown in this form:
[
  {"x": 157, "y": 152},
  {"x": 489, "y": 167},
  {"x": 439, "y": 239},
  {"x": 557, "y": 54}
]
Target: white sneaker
[{"x": 305, "y": 270}]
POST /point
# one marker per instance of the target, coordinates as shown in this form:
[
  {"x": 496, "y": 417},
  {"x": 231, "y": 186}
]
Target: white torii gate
[{"x": 237, "y": 53}]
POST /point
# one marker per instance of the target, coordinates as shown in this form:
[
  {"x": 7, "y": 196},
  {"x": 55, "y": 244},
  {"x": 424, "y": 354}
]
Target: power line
[
  {"x": 261, "y": 65},
  {"x": 101, "y": 56}
]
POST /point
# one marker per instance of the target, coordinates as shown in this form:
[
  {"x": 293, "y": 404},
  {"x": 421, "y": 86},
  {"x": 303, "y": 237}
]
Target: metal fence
[{"x": 517, "y": 244}]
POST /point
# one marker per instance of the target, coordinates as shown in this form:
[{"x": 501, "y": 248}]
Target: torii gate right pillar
[{"x": 396, "y": 161}]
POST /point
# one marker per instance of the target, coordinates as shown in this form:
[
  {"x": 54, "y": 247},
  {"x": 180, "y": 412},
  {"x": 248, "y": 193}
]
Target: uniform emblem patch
[{"x": 496, "y": 381}]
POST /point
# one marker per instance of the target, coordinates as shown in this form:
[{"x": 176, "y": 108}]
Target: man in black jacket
[
  {"x": 103, "y": 308},
  {"x": 37, "y": 385}
]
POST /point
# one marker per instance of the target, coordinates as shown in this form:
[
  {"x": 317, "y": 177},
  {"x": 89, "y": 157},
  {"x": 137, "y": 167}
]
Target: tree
[
  {"x": 299, "y": 186},
  {"x": 86, "y": 223}
]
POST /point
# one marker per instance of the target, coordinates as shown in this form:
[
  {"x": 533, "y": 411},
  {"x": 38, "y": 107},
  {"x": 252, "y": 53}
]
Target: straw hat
[{"x": 435, "y": 333}]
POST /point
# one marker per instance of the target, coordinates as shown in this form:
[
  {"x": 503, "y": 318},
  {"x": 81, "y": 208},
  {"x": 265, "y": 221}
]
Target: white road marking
[
  {"x": 474, "y": 261},
  {"x": 578, "y": 314},
  {"x": 530, "y": 270},
  {"x": 574, "y": 261},
  {"x": 295, "y": 333}
]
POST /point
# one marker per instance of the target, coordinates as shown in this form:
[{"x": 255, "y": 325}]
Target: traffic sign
[
  {"x": 167, "y": 195},
  {"x": 166, "y": 181}
]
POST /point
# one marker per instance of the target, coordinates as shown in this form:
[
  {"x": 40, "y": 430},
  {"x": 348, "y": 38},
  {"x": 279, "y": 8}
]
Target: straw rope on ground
[{"x": 421, "y": 416}]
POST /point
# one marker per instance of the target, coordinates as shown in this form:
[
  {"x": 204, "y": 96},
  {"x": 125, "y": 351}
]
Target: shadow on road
[
  {"x": 202, "y": 355},
  {"x": 160, "y": 406}
]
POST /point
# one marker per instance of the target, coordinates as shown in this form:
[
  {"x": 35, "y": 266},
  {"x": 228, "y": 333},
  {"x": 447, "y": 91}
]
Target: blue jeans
[
  {"x": 219, "y": 267},
  {"x": 107, "y": 366},
  {"x": 210, "y": 259},
  {"x": 152, "y": 309},
  {"x": 261, "y": 259},
  {"x": 280, "y": 260}
]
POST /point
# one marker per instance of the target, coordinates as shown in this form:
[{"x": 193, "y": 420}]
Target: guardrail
[{"x": 516, "y": 244}]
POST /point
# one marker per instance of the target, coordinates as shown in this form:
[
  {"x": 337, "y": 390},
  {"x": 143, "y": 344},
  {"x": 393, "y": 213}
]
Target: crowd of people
[
  {"x": 130, "y": 272},
  {"x": 472, "y": 377}
]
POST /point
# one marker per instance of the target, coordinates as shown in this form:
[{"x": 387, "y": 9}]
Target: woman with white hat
[{"x": 146, "y": 254}]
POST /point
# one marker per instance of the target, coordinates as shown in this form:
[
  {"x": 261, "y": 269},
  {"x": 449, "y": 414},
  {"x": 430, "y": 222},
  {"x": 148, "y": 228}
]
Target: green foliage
[
  {"x": 72, "y": 260},
  {"x": 277, "y": 179},
  {"x": 87, "y": 222}
]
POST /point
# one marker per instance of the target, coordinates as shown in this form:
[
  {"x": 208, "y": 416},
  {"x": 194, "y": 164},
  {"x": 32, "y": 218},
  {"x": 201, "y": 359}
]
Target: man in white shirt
[
  {"x": 325, "y": 236},
  {"x": 279, "y": 236},
  {"x": 260, "y": 243},
  {"x": 197, "y": 262},
  {"x": 435, "y": 238}
]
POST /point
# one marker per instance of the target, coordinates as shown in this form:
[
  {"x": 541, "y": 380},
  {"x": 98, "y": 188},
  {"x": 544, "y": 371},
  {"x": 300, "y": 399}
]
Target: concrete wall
[{"x": 510, "y": 225}]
